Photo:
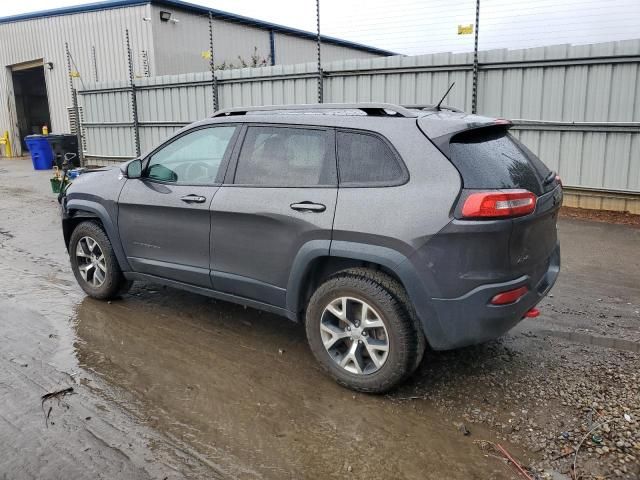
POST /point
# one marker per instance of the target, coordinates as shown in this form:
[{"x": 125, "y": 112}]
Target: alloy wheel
[
  {"x": 91, "y": 262},
  {"x": 354, "y": 335}
]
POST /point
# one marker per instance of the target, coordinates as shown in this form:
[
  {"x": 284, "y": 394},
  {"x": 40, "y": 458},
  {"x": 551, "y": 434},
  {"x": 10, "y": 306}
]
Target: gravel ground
[
  {"x": 582, "y": 400},
  {"x": 607, "y": 216}
]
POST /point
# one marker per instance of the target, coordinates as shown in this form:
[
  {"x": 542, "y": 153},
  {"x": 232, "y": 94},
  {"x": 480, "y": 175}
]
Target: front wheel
[
  {"x": 361, "y": 333},
  {"x": 94, "y": 263}
]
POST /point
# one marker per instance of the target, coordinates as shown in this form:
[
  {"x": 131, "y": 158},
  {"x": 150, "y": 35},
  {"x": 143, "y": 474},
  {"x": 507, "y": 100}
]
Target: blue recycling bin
[{"x": 41, "y": 151}]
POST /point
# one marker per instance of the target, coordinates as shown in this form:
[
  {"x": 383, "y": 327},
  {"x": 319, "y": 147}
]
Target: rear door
[
  {"x": 163, "y": 217},
  {"x": 281, "y": 195}
]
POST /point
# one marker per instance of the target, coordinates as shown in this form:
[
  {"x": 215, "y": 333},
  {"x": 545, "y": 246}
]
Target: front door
[
  {"x": 282, "y": 195},
  {"x": 163, "y": 217}
]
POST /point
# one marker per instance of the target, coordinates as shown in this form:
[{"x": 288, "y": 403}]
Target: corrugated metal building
[{"x": 167, "y": 37}]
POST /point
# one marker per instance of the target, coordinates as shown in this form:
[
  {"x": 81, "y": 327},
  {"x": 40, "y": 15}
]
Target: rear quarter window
[
  {"x": 493, "y": 158},
  {"x": 365, "y": 159}
]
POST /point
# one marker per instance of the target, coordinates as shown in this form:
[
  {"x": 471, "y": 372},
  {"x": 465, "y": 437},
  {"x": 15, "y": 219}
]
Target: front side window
[
  {"x": 366, "y": 159},
  {"x": 193, "y": 159},
  {"x": 286, "y": 157}
]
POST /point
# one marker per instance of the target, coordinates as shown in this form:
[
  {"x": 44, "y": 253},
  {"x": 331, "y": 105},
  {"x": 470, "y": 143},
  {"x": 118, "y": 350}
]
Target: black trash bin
[{"x": 61, "y": 144}]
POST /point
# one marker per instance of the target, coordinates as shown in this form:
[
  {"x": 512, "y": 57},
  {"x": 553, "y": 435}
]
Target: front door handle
[
  {"x": 308, "y": 207},
  {"x": 193, "y": 199}
]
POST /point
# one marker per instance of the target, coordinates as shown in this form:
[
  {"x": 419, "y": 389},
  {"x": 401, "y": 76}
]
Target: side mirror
[{"x": 133, "y": 169}]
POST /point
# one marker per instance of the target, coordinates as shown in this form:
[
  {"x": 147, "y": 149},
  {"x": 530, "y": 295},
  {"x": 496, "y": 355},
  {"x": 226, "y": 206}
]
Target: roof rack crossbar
[{"x": 373, "y": 109}]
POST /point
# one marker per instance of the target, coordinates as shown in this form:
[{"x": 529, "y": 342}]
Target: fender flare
[
  {"x": 389, "y": 258},
  {"x": 299, "y": 269},
  {"x": 110, "y": 229}
]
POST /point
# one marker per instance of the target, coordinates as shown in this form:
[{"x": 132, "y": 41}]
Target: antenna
[{"x": 444, "y": 96}]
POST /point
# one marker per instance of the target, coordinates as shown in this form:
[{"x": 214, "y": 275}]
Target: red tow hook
[{"x": 533, "y": 313}]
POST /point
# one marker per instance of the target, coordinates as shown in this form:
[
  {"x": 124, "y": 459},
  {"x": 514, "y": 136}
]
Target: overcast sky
[{"x": 426, "y": 26}]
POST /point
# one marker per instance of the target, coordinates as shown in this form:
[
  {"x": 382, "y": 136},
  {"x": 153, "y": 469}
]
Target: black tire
[
  {"x": 402, "y": 338},
  {"x": 114, "y": 283},
  {"x": 396, "y": 289}
]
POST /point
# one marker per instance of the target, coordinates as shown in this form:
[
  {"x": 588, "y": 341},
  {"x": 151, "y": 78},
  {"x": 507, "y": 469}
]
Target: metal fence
[{"x": 578, "y": 107}]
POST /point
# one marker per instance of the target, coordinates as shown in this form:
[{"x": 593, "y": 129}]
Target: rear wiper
[{"x": 549, "y": 179}]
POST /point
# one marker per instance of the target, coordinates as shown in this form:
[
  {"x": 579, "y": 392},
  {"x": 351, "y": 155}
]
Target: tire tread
[
  {"x": 115, "y": 283},
  {"x": 406, "y": 339}
]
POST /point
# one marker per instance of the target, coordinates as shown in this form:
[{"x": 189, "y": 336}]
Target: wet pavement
[{"x": 168, "y": 384}]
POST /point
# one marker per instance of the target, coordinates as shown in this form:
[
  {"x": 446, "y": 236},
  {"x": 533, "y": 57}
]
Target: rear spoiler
[{"x": 441, "y": 129}]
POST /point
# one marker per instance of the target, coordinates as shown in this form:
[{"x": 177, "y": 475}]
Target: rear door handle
[
  {"x": 193, "y": 199},
  {"x": 308, "y": 207}
]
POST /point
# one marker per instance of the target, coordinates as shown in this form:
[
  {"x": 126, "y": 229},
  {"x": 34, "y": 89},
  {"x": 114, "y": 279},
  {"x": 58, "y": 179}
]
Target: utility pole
[
  {"x": 318, "y": 42},
  {"x": 212, "y": 67},
  {"x": 474, "y": 94},
  {"x": 134, "y": 97},
  {"x": 74, "y": 103}
]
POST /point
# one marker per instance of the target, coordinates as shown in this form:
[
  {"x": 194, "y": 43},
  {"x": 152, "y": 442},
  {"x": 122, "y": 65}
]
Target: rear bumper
[{"x": 471, "y": 319}]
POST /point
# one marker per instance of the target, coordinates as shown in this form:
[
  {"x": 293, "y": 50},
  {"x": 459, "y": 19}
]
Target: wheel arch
[
  {"x": 78, "y": 211},
  {"x": 319, "y": 259}
]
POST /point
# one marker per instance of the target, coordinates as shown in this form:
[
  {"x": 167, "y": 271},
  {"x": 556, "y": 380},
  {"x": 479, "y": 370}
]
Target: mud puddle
[{"x": 243, "y": 389}]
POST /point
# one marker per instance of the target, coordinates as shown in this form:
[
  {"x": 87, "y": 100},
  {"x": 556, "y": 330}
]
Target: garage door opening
[{"x": 32, "y": 104}]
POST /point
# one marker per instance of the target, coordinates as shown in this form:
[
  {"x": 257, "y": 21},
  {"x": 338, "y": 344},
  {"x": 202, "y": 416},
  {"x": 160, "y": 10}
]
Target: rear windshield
[{"x": 493, "y": 158}]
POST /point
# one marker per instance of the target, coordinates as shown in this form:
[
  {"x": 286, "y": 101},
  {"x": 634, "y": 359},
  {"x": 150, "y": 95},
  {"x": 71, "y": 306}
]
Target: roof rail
[
  {"x": 373, "y": 109},
  {"x": 433, "y": 107}
]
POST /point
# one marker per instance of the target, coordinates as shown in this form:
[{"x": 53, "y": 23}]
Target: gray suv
[{"x": 383, "y": 228}]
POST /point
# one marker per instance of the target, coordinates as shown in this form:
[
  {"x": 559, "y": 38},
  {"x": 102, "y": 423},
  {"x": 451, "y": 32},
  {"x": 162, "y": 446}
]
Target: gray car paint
[
  {"x": 163, "y": 235},
  {"x": 255, "y": 236},
  {"x": 403, "y": 228}
]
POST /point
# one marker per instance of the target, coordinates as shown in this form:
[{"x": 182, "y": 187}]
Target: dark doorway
[{"x": 32, "y": 105}]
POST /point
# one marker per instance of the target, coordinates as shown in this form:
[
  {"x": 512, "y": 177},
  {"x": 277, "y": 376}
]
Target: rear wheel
[
  {"x": 394, "y": 287},
  {"x": 361, "y": 333},
  {"x": 94, "y": 263}
]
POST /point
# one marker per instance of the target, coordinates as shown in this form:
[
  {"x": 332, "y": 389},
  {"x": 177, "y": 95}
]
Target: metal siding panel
[
  {"x": 633, "y": 177},
  {"x": 549, "y": 149},
  {"x": 291, "y": 49},
  {"x": 532, "y": 93},
  {"x": 598, "y": 96},
  {"x": 570, "y": 157},
  {"x": 490, "y": 94},
  {"x": 617, "y": 160},
  {"x": 553, "y": 90},
  {"x": 575, "y": 93},
  {"x": 595, "y": 159},
  {"x": 624, "y": 91}
]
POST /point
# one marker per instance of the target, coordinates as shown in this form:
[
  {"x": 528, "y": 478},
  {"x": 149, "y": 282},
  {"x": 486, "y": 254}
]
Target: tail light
[
  {"x": 499, "y": 204},
  {"x": 509, "y": 296}
]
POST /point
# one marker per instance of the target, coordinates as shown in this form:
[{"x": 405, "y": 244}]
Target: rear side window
[
  {"x": 286, "y": 157},
  {"x": 492, "y": 158},
  {"x": 367, "y": 160}
]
